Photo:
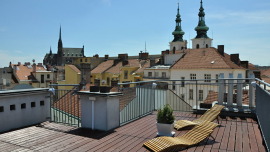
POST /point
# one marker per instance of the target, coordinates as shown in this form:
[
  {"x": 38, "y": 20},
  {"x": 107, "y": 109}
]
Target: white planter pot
[{"x": 165, "y": 129}]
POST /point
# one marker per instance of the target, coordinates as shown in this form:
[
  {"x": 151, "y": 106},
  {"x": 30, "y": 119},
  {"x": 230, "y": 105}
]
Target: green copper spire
[
  {"x": 201, "y": 28},
  {"x": 178, "y": 32}
]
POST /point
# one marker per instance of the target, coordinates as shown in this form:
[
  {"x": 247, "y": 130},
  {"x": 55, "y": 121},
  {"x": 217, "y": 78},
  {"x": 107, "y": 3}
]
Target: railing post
[
  {"x": 251, "y": 91},
  {"x": 221, "y": 89},
  {"x": 230, "y": 90},
  {"x": 239, "y": 90}
]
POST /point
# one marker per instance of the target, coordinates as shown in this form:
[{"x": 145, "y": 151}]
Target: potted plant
[{"x": 165, "y": 120}]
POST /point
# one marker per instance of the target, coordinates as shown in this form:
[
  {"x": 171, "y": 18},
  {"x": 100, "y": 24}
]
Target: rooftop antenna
[
  {"x": 212, "y": 38},
  {"x": 145, "y": 47},
  {"x": 189, "y": 39}
]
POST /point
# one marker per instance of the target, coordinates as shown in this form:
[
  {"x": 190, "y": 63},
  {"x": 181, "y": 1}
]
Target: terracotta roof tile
[
  {"x": 205, "y": 58},
  {"x": 74, "y": 68},
  {"x": 103, "y": 67},
  {"x": 213, "y": 96},
  {"x": 24, "y": 72},
  {"x": 266, "y": 73}
]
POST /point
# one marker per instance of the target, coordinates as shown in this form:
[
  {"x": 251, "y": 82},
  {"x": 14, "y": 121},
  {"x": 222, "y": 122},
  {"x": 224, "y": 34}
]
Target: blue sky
[{"x": 28, "y": 28}]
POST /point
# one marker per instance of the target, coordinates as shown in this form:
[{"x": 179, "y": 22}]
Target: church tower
[
  {"x": 60, "y": 49},
  {"x": 201, "y": 40},
  {"x": 178, "y": 43}
]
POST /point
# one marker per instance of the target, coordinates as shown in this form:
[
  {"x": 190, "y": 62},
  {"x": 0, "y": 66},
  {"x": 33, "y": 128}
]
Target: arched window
[
  {"x": 206, "y": 45},
  {"x": 197, "y": 46},
  {"x": 174, "y": 50}
]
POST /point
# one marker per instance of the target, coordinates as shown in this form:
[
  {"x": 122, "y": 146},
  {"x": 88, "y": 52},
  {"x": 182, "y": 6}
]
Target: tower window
[
  {"x": 197, "y": 46},
  {"x": 206, "y": 45}
]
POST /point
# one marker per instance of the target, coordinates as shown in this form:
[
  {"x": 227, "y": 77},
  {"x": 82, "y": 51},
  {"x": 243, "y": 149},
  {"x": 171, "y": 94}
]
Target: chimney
[
  {"x": 116, "y": 61},
  {"x": 96, "y": 56},
  {"x": 244, "y": 64},
  {"x": 19, "y": 63},
  {"x": 123, "y": 56},
  {"x": 27, "y": 63},
  {"x": 124, "y": 62},
  {"x": 15, "y": 69},
  {"x": 85, "y": 72},
  {"x": 39, "y": 65},
  {"x": 152, "y": 62},
  {"x": 221, "y": 49},
  {"x": 106, "y": 57},
  {"x": 235, "y": 58},
  {"x": 34, "y": 67},
  {"x": 143, "y": 56},
  {"x": 167, "y": 51}
]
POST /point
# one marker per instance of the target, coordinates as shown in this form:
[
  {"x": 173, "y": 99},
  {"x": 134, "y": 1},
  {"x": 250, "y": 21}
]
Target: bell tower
[
  {"x": 178, "y": 43},
  {"x": 201, "y": 40}
]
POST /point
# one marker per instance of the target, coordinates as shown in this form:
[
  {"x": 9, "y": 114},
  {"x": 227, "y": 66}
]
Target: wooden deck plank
[
  {"x": 246, "y": 140},
  {"x": 233, "y": 135}
]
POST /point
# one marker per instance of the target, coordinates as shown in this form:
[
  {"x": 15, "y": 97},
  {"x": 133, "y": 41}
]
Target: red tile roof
[
  {"x": 266, "y": 73},
  {"x": 205, "y": 58},
  {"x": 102, "y": 67},
  {"x": 74, "y": 68},
  {"x": 108, "y": 66},
  {"x": 23, "y": 72}
]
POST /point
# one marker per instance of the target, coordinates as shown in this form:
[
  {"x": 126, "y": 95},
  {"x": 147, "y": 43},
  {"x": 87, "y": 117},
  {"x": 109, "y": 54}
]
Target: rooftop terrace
[{"x": 234, "y": 134}]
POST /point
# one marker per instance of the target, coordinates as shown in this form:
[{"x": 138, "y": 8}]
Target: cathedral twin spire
[
  {"x": 201, "y": 28},
  {"x": 178, "y": 32}
]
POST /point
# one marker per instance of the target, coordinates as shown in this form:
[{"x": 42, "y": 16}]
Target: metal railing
[
  {"x": 65, "y": 105},
  {"x": 262, "y": 109},
  {"x": 141, "y": 98}
]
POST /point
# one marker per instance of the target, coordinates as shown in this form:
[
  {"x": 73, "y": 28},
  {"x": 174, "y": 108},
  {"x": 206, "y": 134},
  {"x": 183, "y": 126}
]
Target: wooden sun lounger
[
  {"x": 192, "y": 137},
  {"x": 209, "y": 115}
]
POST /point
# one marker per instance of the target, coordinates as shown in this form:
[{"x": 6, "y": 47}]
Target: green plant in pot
[{"x": 165, "y": 120}]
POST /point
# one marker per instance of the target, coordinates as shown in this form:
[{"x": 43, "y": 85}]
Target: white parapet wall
[{"x": 21, "y": 108}]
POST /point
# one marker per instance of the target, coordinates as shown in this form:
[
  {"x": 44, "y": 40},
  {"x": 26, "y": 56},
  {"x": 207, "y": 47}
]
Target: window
[
  {"x": 197, "y": 46},
  {"x": 183, "y": 82},
  {"x": 193, "y": 76},
  {"x": 183, "y": 96},
  {"x": 200, "y": 95},
  {"x": 108, "y": 81},
  {"x": 42, "y": 103},
  {"x": 12, "y": 107},
  {"x": 33, "y": 104},
  {"x": 1, "y": 109},
  {"x": 125, "y": 74},
  {"x": 156, "y": 74},
  {"x": 206, "y": 45},
  {"x": 216, "y": 77},
  {"x": 42, "y": 78},
  {"x": 163, "y": 74},
  {"x": 191, "y": 94},
  {"x": 48, "y": 76},
  {"x": 80, "y": 60},
  {"x": 149, "y": 74},
  {"x": 207, "y": 77},
  {"x": 85, "y": 60},
  {"x": 23, "y": 106},
  {"x": 173, "y": 85}
]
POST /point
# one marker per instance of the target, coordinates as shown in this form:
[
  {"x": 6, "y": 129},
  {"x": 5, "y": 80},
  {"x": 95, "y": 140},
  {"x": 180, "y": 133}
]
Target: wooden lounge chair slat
[
  {"x": 209, "y": 115},
  {"x": 192, "y": 137}
]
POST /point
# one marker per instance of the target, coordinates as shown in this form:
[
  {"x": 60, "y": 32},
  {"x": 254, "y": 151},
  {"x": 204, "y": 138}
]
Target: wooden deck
[{"x": 235, "y": 134}]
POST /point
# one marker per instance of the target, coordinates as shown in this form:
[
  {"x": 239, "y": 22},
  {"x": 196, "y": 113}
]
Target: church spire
[
  {"x": 201, "y": 28},
  {"x": 50, "y": 50},
  {"x": 178, "y": 32},
  {"x": 60, "y": 44}
]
